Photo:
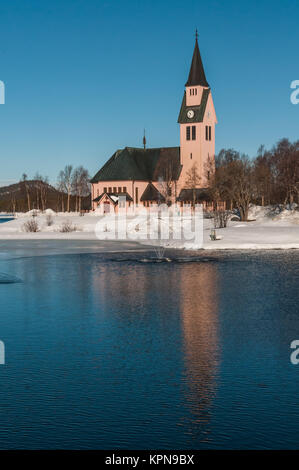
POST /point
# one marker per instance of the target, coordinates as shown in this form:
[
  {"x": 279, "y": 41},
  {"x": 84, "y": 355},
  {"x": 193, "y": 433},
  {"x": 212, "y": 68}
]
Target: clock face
[{"x": 190, "y": 113}]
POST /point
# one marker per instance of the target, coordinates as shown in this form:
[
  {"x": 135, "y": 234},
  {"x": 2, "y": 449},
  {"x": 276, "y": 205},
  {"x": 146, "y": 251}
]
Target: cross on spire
[{"x": 196, "y": 34}]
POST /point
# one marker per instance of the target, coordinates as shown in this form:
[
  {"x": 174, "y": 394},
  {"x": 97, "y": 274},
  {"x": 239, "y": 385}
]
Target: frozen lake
[{"x": 104, "y": 350}]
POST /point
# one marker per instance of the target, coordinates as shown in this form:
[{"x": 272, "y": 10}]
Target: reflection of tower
[{"x": 199, "y": 312}]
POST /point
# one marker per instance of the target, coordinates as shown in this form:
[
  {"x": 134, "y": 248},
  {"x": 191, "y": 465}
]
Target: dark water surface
[
  {"x": 5, "y": 219},
  {"x": 125, "y": 354}
]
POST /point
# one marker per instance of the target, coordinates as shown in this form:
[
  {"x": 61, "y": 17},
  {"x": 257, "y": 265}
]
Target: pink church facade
[{"x": 151, "y": 176}]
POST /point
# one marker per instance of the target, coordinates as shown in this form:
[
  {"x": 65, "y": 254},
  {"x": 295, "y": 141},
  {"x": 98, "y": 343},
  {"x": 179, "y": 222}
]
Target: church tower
[{"x": 197, "y": 121}]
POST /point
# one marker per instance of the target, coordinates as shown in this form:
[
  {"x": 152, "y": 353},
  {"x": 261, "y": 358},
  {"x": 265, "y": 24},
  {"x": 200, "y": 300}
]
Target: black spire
[{"x": 197, "y": 73}]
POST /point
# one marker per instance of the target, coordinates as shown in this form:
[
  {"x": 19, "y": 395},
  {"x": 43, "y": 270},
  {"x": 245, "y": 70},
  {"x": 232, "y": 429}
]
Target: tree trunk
[
  {"x": 244, "y": 213},
  {"x": 28, "y": 199}
]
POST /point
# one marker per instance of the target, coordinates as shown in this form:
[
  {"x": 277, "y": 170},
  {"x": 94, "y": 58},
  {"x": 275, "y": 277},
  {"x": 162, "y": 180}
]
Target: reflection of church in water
[
  {"x": 179, "y": 313},
  {"x": 199, "y": 316}
]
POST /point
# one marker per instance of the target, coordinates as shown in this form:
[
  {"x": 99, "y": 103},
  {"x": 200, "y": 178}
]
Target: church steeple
[
  {"x": 197, "y": 121},
  {"x": 197, "y": 73}
]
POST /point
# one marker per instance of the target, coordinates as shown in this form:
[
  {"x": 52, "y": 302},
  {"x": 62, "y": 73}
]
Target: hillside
[{"x": 34, "y": 194}]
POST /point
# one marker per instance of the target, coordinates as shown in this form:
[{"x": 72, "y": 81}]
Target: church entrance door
[{"x": 106, "y": 207}]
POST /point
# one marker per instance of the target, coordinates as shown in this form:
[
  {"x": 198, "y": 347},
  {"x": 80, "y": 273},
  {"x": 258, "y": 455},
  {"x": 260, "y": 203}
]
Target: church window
[
  {"x": 109, "y": 190},
  {"x": 114, "y": 189},
  {"x": 119, "y": 189},
  {"x": 105, "y": 190},
  {"x": 188, "y": 132},
  {"x": 191, "y": 156},
  {"x": 193, "y": 132},
  {"x": 208, "y": 133},
  {"x": 136, "y": 196},
  {"x": 124, "y": 189}
]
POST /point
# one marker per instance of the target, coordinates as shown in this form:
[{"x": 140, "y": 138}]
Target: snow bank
[
  {"x": 265, "y": 214},
  {"x": 50, "y": 212},
  {"x": 273, "y": 228}
]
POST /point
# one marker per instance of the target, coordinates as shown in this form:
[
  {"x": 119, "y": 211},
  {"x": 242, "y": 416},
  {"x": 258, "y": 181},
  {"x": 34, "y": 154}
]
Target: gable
[
  {"x": 210, "y": 109},
  {"x": 199, "y": 110},
  {"x": 151, "y": 193}
]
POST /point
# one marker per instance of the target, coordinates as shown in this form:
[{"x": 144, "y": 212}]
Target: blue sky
[{"x": 84, "y": 77}]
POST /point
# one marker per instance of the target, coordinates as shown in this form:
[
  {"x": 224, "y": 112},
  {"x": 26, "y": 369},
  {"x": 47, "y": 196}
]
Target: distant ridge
[{"x": 14, "y": 197}]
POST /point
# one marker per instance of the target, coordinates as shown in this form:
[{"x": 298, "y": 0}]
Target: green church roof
[
  {"x": 140, "y": 165},
  {"x": 201, "y": 194}
]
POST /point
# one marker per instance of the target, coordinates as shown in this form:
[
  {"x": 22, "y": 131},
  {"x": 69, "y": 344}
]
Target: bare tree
[
  {"x": 65, "y": 183},
  {"x": 41, "y": 184},
  {"x": 24, "y": 181},
  {"x": 13, "y": 202},
  {"x": 193, "y": 181},
  {"x": 44, "y": 192},
  {"x": 233, "y": 180},
  {"x": 286, "y": 163},
  {"x": 166, "y": 175},
  {"x": 80, "y": 185},
  {"x": 61, "y": 188},
  {"x": 263, "y": 176}
]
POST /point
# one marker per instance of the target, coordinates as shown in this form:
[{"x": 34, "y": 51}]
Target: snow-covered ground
[{"x": 269, "y": 228}]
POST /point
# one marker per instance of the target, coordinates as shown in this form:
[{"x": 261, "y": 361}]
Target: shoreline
[{"x": 121, "y": 246}]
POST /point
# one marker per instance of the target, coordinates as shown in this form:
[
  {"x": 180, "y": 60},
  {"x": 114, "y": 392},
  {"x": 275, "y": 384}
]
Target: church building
[{"x": 148, "y": 176}]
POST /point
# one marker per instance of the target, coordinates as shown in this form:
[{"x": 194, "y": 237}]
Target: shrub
[
  {"x": 221, "y": 219},
  {"x": 31, "y": 226},
  {"x": 67, "y": 227},
  {"x": 49, "y": 220}
]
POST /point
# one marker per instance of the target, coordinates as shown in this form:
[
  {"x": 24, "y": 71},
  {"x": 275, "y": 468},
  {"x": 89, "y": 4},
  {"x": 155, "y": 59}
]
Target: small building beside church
[{"x": 150, "y": 176}]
